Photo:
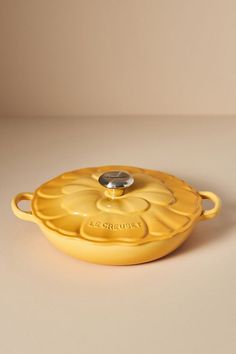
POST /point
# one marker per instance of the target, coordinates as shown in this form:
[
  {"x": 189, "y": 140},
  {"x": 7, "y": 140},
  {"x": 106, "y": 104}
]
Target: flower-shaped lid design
[{"x": 117, "y": 204}]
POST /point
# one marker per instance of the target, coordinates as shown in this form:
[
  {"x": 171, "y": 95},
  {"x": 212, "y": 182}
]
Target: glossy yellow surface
[{"x": 149, "y": 220}]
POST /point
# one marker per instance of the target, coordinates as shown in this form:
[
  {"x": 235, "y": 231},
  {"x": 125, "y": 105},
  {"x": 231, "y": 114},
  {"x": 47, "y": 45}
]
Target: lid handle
[{"x": 116, "y": 182}]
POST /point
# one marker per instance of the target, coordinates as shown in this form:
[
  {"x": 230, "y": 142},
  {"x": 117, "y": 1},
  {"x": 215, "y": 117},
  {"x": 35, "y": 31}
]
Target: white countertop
[{"x": 185, "y": 303}]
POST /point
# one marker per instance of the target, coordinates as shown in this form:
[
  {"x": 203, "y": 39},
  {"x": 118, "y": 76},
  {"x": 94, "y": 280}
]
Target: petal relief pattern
[
  {"x": 157, "y": 206},
  {"x": 69, "y": 224},
  {"x": 164, "y": 222},
  {"x": 81, "y": 203},
  {"x": 186, "y": 203},
  {"x": 122, "y": 205},
  {"x": 48, "y": 209},
  {"x": 81, "y": 184}
]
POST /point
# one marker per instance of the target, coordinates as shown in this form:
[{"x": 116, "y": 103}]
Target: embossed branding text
[{"x": 110, "y": 226}]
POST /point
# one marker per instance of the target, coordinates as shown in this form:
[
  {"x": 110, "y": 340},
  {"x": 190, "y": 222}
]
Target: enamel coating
[{"x": 148, "y": 220}]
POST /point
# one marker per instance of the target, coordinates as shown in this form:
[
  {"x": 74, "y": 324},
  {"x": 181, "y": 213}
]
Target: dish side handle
[
  {"x": 211, "y": 213},
  {"x": 22, "y": 214}
]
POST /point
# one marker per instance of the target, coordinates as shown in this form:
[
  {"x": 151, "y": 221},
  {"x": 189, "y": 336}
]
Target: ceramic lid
[{"x": 116, "y": 204}]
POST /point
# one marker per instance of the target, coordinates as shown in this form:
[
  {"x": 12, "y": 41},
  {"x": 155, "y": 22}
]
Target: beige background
[
  {"x": 74, "y": 57},
  {"x": 182, "y": 304},
  {"x": 118, "y": 59}
]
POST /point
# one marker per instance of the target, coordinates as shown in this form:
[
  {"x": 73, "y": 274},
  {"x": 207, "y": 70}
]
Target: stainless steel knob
[{"x": 116, "y": 182}]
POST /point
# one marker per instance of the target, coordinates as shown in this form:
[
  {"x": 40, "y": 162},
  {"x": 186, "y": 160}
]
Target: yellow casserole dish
[{"x": 116, "y": 215}]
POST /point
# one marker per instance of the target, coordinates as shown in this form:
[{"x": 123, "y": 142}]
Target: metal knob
[{"x": 116, "y": 182}]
